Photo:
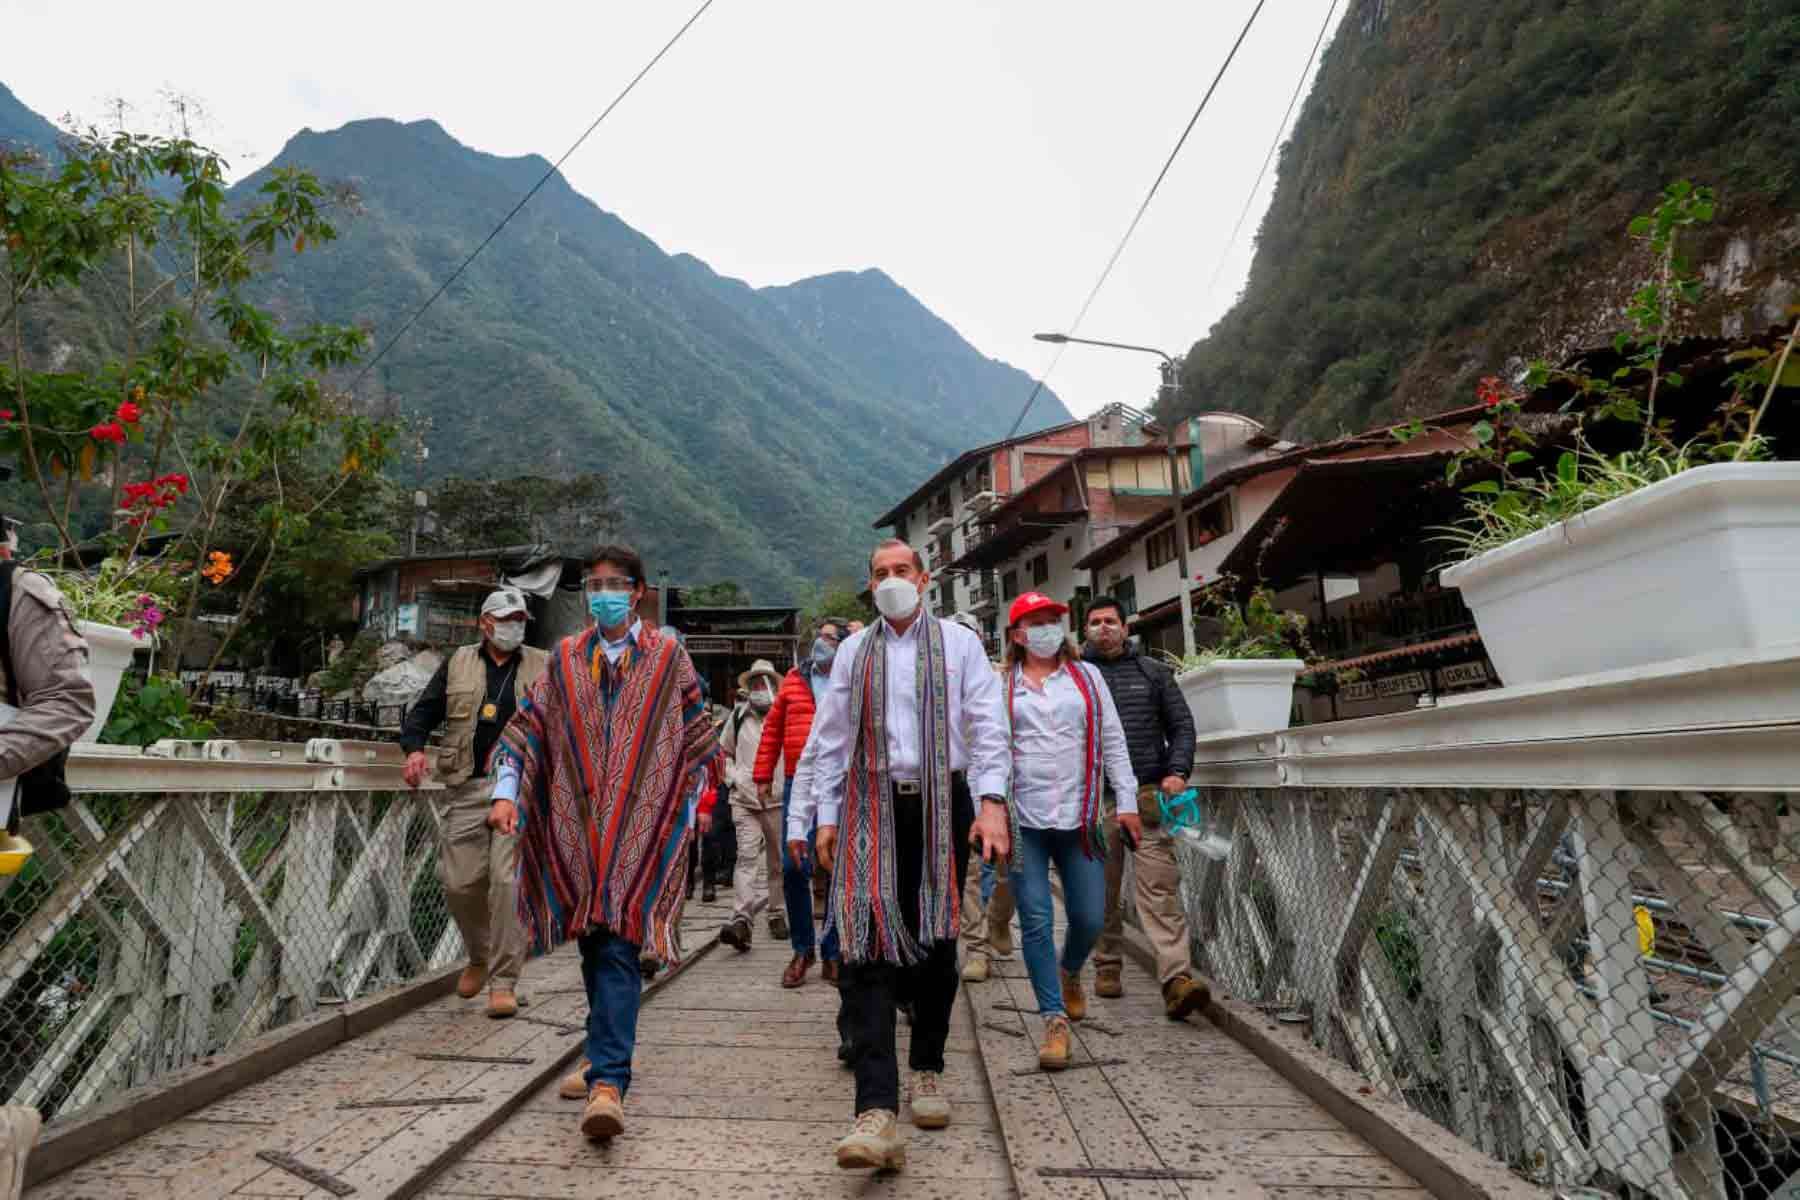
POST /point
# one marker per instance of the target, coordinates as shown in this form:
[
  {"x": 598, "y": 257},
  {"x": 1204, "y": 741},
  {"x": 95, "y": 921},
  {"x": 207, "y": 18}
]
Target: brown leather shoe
[
  {"x": 468, "y": 984},
  {"x": 1109, "y": 980},
  {"x": 1056, "y": 1049},
  {"x": 828, "y": 971},
  {"x": 1073, "y": 999},
  {"x": 795, "y": 975},
  {"x": 1183, "y": 995},
  {"x": 502, "y": 1003},
  {"x": 604, "y": 1116},
  {"x": 574, "y": 1084}
]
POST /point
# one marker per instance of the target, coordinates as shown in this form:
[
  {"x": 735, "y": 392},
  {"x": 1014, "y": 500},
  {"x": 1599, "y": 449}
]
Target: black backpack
[{"x": 44, "y": 788}]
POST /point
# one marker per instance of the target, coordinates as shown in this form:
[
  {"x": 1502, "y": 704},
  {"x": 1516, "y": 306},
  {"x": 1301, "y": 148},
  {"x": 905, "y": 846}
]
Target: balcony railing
[
  {"x": 1561, "y": 921},
  {"x": 1391, "y": 621},
  {"x": 201, "y": 894}
]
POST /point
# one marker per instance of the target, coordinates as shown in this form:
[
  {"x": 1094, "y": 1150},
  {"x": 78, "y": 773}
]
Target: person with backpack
[
  {"x": 1160, "y": 732},
  {"x": 754, "y": 812}
]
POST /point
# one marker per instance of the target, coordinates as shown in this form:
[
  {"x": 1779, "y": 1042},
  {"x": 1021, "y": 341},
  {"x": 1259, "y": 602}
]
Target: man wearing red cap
[{"x": 910, "y": 730}]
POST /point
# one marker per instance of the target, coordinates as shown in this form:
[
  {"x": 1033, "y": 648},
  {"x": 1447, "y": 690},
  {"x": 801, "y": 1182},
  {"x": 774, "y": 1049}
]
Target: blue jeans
[
  {"x": 990, "y": 879},
  {"x": 1084, "y": 898},
  {"x": 796, "y": 890},
  {"x": 615, "y": 988}
]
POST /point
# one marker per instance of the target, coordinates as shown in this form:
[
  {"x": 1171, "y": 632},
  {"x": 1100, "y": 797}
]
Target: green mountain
[
  {"x": 747, "y": 434},
  {"x": 22, "y": 128},
  {"x": 1453, "y": 199}
]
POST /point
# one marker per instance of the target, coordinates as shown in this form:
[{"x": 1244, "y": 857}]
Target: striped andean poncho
[{"x": 604, "y": 754}]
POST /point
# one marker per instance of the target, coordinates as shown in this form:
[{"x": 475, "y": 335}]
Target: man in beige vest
[{"x": 474, "y": 695}]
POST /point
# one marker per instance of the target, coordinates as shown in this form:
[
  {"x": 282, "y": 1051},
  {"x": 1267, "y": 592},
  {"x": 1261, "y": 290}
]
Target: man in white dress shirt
[{"x": 911, "y": 729}]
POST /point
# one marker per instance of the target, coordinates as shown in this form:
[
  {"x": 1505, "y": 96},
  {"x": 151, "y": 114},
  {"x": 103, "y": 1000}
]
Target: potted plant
[
  {"x": 1652, "y": 553},
  {"x": 118, "y": 611},
  {"x": 1244, "y": 681}
]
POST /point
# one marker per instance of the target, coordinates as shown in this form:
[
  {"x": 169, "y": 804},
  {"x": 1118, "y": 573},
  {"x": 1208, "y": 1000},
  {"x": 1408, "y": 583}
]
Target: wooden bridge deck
[{"x": 738, "y": 1092}]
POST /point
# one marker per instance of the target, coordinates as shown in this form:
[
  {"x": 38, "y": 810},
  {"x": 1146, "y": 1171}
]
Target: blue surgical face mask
[
  {"x": 822, "y": 654},
  {"x": 609, "y": 609}
]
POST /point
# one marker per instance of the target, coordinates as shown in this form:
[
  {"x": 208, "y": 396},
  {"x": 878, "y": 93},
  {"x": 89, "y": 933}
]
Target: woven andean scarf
[{"x": 865, "y": 905}]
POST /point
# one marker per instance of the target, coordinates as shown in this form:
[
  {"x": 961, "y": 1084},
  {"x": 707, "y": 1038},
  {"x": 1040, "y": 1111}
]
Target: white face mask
[
  {"x": 508, "y": 636},
  {"x": 897, "y": 598},
  {"x": 761, "y": 699},
  {"x": 1045, "y": 640}
]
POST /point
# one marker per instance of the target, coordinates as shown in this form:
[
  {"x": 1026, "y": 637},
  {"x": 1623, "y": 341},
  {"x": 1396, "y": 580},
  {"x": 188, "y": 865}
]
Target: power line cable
[
  {"x": 526, "y": 198},
  {"x": 1299, "y": 86},
  {"x": 1119, "y": 251}
]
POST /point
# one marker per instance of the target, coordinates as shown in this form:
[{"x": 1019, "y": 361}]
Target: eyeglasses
[{"x": 609, "y": 583}]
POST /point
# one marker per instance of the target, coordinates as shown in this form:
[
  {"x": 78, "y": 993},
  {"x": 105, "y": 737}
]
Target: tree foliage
[{"x": 209, "y": 417}]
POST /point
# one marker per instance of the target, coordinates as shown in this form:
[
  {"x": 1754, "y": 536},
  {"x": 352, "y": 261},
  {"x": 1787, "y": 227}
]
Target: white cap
[{"x": 503, "y": 603}]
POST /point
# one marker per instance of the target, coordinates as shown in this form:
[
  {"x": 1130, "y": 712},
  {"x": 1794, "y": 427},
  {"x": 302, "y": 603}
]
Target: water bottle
[{"x": 1187, "y": 818}]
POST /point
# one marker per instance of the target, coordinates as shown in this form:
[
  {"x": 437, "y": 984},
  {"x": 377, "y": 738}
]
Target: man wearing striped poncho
[
  {"x": 911, "y": 729},
  {"x": 597, "y": 767}
]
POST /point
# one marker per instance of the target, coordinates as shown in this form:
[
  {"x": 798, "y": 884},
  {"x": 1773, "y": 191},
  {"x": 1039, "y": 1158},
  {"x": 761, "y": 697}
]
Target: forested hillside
[
  {"x": 1454, "y": 197},
  {"x": 742, "y": 434}
]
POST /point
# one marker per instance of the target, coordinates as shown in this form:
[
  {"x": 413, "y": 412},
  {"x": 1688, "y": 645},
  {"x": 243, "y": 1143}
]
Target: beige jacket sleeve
[{"x": 49, "y": 657}]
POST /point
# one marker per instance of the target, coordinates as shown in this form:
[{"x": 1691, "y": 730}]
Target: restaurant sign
[
  {"x": 709, "y": 645},
  {"x": 1411, "y": 683},
  {"x": 1469, "y": 674},
  {"x": 768, "y": 646}
]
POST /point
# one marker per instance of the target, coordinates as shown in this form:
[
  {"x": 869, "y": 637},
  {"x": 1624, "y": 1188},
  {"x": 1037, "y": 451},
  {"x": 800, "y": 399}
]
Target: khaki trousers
[
  {"x": 758, "y": 858},
  {"x": 479, "y": 868},
  {"x": 987, "y": 928},
  {"x": 1157, "y": 893}
]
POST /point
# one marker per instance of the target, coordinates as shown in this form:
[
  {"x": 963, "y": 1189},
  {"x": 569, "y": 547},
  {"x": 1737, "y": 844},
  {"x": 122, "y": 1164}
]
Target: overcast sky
[{"x": 987, "y": 154}]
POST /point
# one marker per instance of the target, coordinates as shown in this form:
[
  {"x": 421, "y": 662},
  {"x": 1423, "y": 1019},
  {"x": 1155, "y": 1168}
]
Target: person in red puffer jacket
[{"x": 783, "y": 741}]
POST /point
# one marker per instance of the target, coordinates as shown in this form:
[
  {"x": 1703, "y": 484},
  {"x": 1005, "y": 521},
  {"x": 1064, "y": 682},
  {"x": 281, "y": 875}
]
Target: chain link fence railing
[
  {"x": 152, "y": 930},
  {"x": 1597, "y": 988}
]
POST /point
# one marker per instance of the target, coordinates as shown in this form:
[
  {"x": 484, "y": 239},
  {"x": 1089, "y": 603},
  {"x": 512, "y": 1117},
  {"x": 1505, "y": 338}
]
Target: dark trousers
[{"x": 870, "y": 991}]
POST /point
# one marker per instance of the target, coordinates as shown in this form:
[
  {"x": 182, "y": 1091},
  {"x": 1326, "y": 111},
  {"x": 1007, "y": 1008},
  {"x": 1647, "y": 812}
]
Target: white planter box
[
  {"x": 1707, "y": 561},
  {"x": 109, "y": 656},
  {"x": 1249, "y": 695}
]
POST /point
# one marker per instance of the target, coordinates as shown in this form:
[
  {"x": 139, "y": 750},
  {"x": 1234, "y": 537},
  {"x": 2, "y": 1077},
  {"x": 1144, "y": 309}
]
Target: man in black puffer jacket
[{"x": 1159, "y": 729}]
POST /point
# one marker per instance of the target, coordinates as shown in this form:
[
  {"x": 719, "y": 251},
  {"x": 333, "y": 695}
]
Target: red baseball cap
[{"x": 1032, "y": 602}]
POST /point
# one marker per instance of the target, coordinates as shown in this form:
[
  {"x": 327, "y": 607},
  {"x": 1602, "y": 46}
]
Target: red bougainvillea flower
[
  {"x": 178, "y": 482},
  {"x": 130, "y": 413},
  {"x": 6, "y": 414},
  {"x": 1488, "y": 391},
  {"x": 108, "y": 431}
]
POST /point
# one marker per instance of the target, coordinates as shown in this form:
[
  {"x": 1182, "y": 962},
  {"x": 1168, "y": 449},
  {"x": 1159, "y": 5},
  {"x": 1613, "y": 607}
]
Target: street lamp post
[{"x": 1170, "y": 382}]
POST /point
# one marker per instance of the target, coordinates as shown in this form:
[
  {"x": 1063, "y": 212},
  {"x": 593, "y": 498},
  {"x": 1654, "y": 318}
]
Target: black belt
[{"x": 912, "y": 787}]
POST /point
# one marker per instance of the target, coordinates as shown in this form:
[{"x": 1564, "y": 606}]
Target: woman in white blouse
[{"x": 1067, "y": 744}]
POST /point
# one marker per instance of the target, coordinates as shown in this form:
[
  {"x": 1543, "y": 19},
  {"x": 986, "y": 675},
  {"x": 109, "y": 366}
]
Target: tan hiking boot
[
  {"x": 874, "y": 1141},
  {"x": 1183, "y": 995},
  {"x": 1056, "y": 1049},
  {"x": 976, "y": 969},
  {"x": 19, "y": 1125},
  {"x": 604, "y": 1116},
  {"x": 468, "y": 984},
  {"x": 1074, "y": 1002},
  {"x": 574, "y": 1084},
  {"x": 930, "y": 1107},
  {"x": 502, "y": 1003},
  {"x": 1109, "y": 980}
]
